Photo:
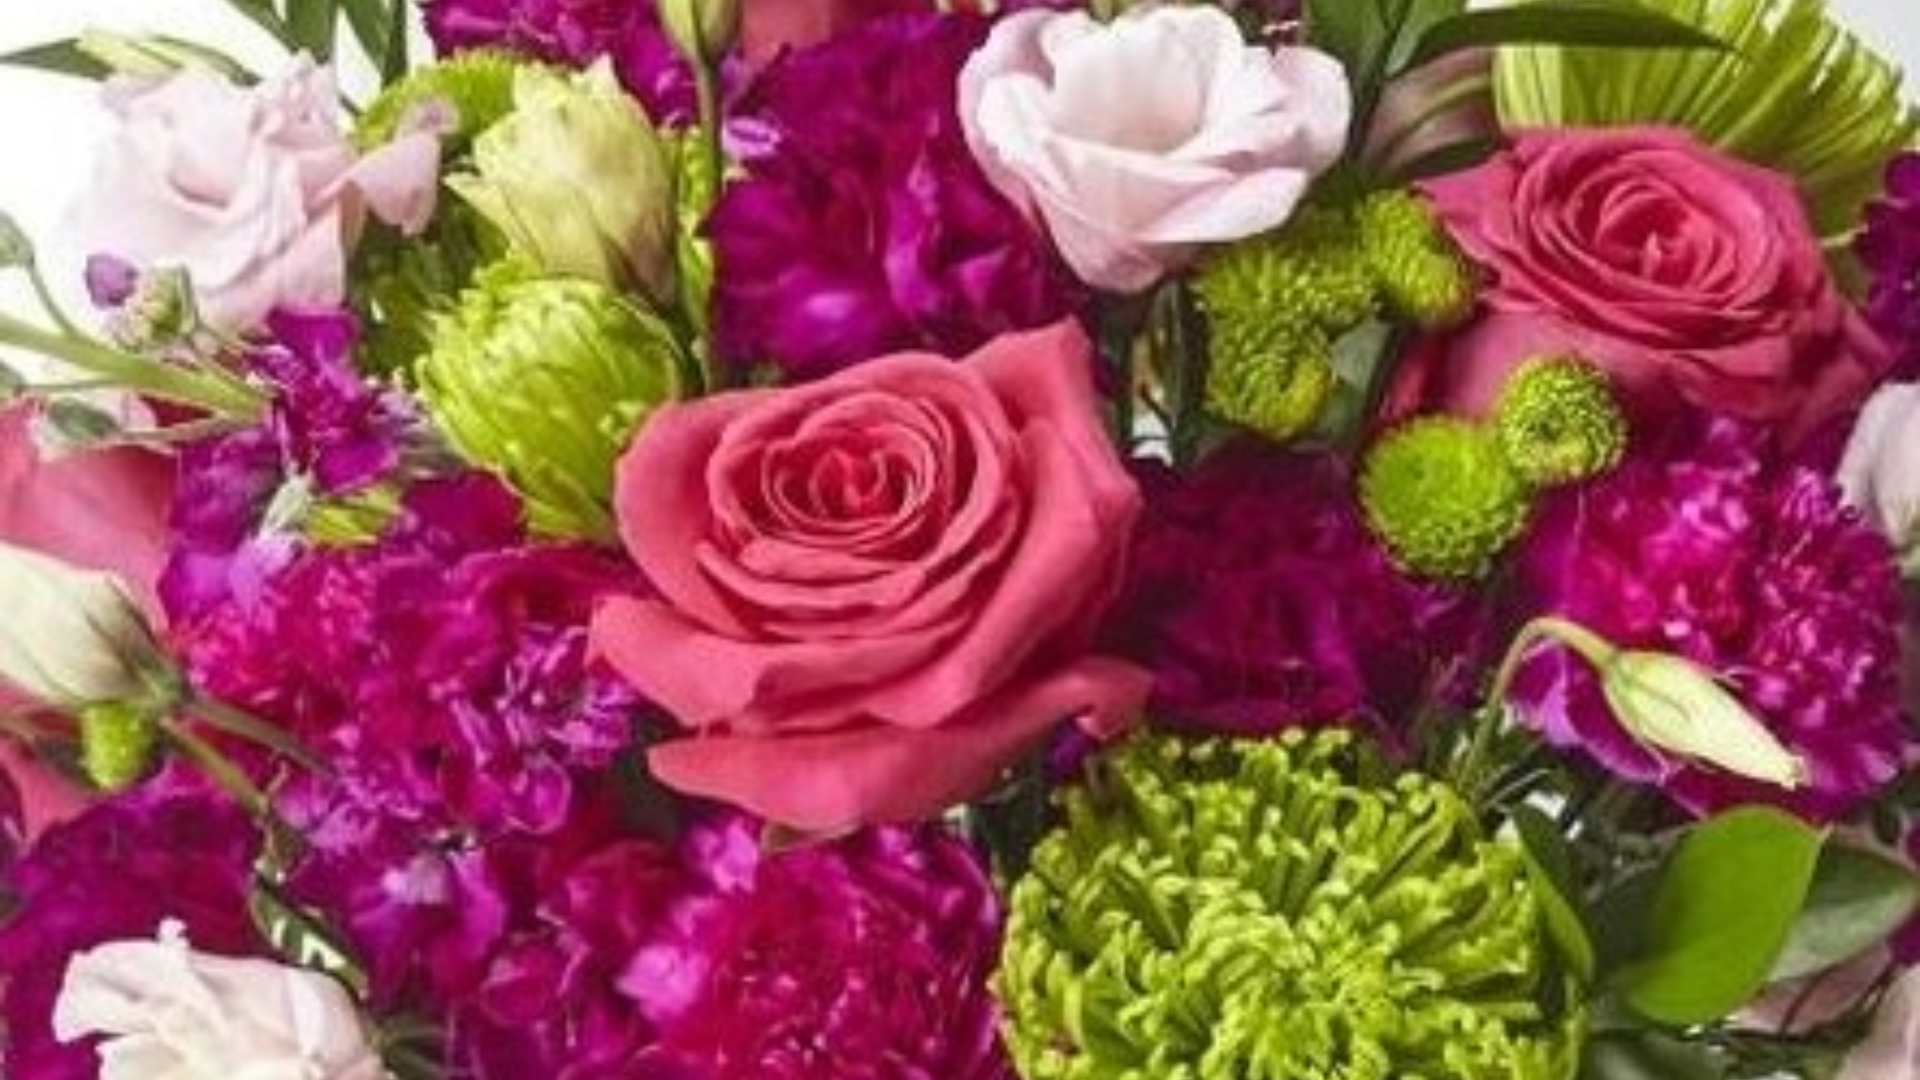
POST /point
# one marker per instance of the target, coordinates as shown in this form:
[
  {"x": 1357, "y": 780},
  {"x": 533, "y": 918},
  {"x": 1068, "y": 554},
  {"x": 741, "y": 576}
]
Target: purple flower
[
  {"x": 1750, "y": 567},
  {"x": 327, "y": 430},
  {"x": 1261, "y": 602},
  {"x": 575, "y": 33},
  {"x": 862, "y": 229},
  {"x": 864, "y": 957},
  {"x": 169, "y": 849},
  {"x": 1890, "y": 247}
]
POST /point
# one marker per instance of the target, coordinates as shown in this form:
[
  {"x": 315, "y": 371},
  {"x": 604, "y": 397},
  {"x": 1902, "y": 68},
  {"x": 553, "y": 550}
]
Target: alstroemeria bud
[
  {"x": 72, "y": 638},
  {"x": 701, "y": 29},
  {"x": 1671, "y": 704},
  {"x": 579, "y": 181}
]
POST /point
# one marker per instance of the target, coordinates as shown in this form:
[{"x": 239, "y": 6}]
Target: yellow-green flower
[
  {"x": 1558, "y": 422},
  {"x": 1442, "y": 498},
  {"x": 1223, "y": 910}
]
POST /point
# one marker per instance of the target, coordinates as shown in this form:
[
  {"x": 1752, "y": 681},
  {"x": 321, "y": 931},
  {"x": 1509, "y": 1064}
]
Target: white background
[{"x": 49, "y": 125}]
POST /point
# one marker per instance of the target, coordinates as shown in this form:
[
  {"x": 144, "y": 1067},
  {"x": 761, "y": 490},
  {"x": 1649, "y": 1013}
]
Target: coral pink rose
[
  {"x": 876, "y": 591},
  {"x": 255, "y": 191},
  {"x": 105, "y": 510},
  {"x": 1139, "y": 141},
  {"x": 769, "y": 26},
  {"x": 1687, "y": 275}
]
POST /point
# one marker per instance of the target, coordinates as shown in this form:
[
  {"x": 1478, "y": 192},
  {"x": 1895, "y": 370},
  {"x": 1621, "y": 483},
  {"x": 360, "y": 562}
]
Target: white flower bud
[
  {"x": 71, "y": 637},
  {"x": 1673, "y": 705},
  {"x": 701, "y": 29}
]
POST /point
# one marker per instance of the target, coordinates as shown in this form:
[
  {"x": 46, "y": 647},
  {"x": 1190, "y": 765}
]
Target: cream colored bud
[
  {"x": 73, "y": 638},
  {"x": 1672, "y": 705},
  {"x": 578, "y": 180},
  {"x": 701, "y": 29}
]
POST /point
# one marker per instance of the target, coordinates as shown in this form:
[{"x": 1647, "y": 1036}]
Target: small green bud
[
  {"x": 546, "y": 381},
  {"x": 1441, "y": 497},
  {"x": 701, "y": 29},
  {"x": 1558, "y": 422},
  {"x": 117, "y": 744},
  {"x": 160, "y": 313},
  {"x": 579, "y": 182}
]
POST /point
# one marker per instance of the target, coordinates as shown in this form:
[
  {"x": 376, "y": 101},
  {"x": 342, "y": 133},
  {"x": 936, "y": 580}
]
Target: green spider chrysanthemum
[
  {"x": 1226, "y": 910},
  {"x": 1558, "y": 422},
  {"x": 1424, "y": 278},
  {"x": 1442, "y": 498},
  {"x": 477, "y": 86},
  {"x": 1794, "y": 91},
  {"x": 546, "y": 380}
]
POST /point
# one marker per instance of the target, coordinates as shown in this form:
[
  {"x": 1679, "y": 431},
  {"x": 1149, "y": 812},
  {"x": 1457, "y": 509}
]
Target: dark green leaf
[
  {"x": 371, "y": 22},
  {"x": 60, "y": 57},
  {"x": 1550, "y": 868},
  {"x": 1726, "y": 902},
  {"x": 1647, "y": 1055},
  {"x": 1452, "y": 158},
  {"x": 69, "y": 424},
  {"x": 1371, "y": 39},
  {"x": 16, "y": 247},
  {"x": 314, "y": 25},
  {"x": 1615, "y": 23},
  {"x": 1857, "y": 899}
]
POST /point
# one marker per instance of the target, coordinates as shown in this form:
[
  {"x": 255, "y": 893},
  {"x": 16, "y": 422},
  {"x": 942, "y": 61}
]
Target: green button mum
[
  {"x": 545, "y": 381},
  {"x": 1267, "y": 911}
]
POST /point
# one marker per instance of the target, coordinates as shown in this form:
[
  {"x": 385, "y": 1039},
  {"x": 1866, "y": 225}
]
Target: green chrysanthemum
[
  {"x": 476, "y": 85},
  {"x": 1794, "y": 91},
  {"x": 1424, "y": 277},
  {"x": 1256, "y": 911},
  {"x": 1442, "y": 498},
  {"x": 1558, "y": 422},
  {"x": 546, "y": 380},
  {"x": 117, "y": 744}
]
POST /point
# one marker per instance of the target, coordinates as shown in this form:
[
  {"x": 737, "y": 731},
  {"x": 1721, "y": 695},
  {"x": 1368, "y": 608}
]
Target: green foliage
[
  {"x": 1795, "y": 92},
  {"x": 1857, "y": 900}
]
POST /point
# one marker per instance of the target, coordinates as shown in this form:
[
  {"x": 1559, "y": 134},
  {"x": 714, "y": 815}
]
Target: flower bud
[
  {"x": 73, "y": 638},
  {"x": 1673, "y": 705},
  {"x": 579, "y": 181},
  {"x": 701, "y": 29},
  {"x": 117, "y": 744}
]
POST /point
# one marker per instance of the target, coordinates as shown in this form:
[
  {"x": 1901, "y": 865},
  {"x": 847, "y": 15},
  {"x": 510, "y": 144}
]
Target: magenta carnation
[
  {"x": 1890, "y": 247},
  {"x": 170, "y": 849},
  {"x": 1260, "y": 601},
  {"x": 1750, "y": 567},
  {"x": 575, "y": 33},
  {"x": 867, "y": 957},
  {"x": 861, "y": 228}
]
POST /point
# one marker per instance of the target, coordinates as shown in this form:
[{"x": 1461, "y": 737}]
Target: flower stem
[
  {"x": 244, "y": 725},
  {"x": 216, "y": 393},
  {"x": 219, "y": 768}
]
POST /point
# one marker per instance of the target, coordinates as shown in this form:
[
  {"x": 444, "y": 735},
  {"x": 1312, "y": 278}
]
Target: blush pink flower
[
  {"x": 1881, "y": 470},
  {"x": 1687, "y": 275},
  {"x": 255, "y": 191},
  {"x": 876, "y": 591},
  {"x": 1139, "y": 141}
]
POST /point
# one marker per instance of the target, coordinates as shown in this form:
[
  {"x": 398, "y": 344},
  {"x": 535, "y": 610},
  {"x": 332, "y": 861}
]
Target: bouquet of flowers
[{"x": 893, "y": 540}]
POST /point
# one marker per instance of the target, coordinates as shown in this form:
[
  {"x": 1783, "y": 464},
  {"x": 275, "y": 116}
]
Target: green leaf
[
  {"x": 1646, "y": 1055},
  {"x": 372, "y": 24},
  {"x": 1605, "y": 23},
  {"x": 314, "y": 25},
  {"x": 1372, "y": 38},
  {"x": 16, "y": 247},
  {"x": 1857, "y": 899},
  {"x": 1550, "y": 868},
  {"x": 60, "y": 57},
  {"x": 1725, "y": 904}
]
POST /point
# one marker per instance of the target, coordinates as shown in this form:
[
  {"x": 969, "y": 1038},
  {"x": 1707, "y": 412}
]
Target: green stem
[
  {"x": 244, "y": 725},
  {"x": 1487, "y": 722},
  {"x": 219, "y": 768},
  {"x": 48, "y": 304},
  {"x": 222, "y": 394},
  {"x": 707, "y": 91}
]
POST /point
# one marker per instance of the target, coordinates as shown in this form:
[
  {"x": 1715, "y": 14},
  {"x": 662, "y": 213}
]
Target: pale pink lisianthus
[
  {"x": 1690, "y": 277},
  {"x": 106, "y": 510},
  {"x": 877, "y": 591},
  {"x": 1140, "y": 141},
  {"x": 255, "y": 191},
  {"x": 167, "y": 1012},
  {"x": 1881, "y": 470}
]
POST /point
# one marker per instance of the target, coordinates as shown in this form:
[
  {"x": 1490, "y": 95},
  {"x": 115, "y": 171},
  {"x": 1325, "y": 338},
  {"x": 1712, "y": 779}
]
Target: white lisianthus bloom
[
  {"x": 72, "y": 638},
  {"x": 167, "y": 1012}
]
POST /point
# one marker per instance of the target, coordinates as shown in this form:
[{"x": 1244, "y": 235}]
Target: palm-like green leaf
[{"x": 1796, "y": 93}]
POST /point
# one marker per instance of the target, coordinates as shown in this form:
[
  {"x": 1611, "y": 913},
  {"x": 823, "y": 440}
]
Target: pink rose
[
  {"x": 255, "y": 191},
  {"x": 1139, "y": 141},
  {"x": 876, "y": 591},
  {"x": 106, "y": 510},
  {"x": 1687, "y": 275},
  {"x": 769, "y": 26}
]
